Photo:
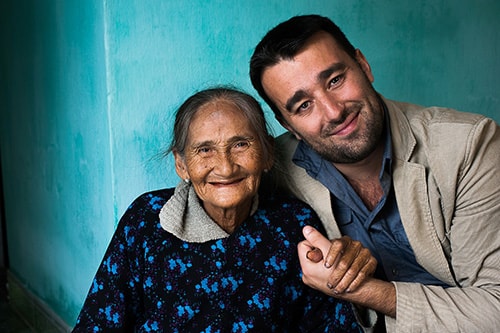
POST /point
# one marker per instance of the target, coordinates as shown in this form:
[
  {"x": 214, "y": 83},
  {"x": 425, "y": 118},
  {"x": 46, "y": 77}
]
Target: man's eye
[
  {"x": 335, "y": 80},
  {"x": 303, "y": 106}
]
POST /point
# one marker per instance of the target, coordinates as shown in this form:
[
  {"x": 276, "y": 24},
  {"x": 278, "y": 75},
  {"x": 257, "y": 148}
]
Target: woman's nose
[{"x": 224, "y": 164}]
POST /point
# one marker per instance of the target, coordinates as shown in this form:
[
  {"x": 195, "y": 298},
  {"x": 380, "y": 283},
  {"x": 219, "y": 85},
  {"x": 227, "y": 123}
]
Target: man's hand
[
  {"x": 346, "y": 275},
  {"x": 351, "y": 262}
]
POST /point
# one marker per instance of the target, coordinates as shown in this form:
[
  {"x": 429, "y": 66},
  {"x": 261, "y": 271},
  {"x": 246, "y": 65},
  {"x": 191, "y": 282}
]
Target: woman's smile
[{"x": 223, "y": 159}]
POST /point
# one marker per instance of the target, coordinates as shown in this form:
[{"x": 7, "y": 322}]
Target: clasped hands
[{"x": 334, "y": 267}]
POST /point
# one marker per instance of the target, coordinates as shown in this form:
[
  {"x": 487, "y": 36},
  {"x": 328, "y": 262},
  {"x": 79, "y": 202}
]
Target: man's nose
[{"x": 331, "y": 109}]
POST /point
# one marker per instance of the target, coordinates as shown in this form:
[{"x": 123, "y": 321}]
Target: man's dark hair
[{"x": 287, "y": 39}]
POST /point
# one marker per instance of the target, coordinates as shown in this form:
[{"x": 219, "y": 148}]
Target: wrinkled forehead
[{"x": 218, "y": 121}]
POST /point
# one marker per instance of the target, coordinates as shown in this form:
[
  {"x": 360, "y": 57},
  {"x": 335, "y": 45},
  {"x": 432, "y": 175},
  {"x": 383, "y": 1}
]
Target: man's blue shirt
[{"x": 380, "y": 230}]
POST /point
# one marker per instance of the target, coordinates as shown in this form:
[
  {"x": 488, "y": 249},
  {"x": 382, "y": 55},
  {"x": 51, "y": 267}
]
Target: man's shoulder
[
  {"x": 284, "y": 149},
  {"x": 428, "y": 115},
  {"x": 287, "y": 140}
]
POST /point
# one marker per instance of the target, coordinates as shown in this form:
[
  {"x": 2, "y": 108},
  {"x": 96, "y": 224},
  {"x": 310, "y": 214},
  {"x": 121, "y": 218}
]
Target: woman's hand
[{"x": 351, "y": 263}]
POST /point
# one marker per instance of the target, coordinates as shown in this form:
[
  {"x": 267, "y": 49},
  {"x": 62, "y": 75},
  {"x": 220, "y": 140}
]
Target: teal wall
[{"x": 88, "y": 89}]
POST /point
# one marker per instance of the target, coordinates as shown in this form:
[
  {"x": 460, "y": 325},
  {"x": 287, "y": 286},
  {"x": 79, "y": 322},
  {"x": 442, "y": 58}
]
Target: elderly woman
[{"x": 212, "y": 255}]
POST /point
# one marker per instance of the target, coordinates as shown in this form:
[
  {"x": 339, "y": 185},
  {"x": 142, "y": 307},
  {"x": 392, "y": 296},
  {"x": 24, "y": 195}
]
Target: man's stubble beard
[{"x": 354, "y": 149}]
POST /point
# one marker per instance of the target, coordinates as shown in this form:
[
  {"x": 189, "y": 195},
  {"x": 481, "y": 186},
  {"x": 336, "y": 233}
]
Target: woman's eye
[
  {"x": 241, "y": 144},
  {"x": 204, "y": 150}
]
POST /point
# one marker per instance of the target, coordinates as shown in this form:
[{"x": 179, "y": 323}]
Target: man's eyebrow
[
  {"x": 323, "y": 75},
  {"x": 294, "y": 99}
]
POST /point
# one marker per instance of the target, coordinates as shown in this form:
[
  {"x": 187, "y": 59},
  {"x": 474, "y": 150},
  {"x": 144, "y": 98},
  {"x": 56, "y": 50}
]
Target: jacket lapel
[
  {"x": 410, "y": 185},
  {"x": 303, "y": 186}
]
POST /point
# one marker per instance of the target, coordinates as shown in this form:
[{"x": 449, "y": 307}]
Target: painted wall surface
[
  {"x": 55, "y": 147},
  {"x": 89, "y": 89}
]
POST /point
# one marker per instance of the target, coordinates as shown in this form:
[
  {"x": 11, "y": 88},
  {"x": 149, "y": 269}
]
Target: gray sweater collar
[{"x": 184, "y": 217}]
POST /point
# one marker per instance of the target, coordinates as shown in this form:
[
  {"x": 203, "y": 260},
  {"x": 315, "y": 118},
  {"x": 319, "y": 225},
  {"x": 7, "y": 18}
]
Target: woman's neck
[{"x": 229, "y": 218}]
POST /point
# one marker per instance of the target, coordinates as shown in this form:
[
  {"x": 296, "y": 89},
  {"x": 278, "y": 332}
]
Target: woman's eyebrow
[
  {"x": 205, "y": 143},
  {"x": 212, "y": 143}
]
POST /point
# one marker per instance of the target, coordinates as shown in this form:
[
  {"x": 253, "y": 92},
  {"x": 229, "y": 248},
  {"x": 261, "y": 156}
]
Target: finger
[
  {"x": 347, "y": 271},
  {"x": 349, "y": 276},
  {"x": 347, "y": 265},
  {"x": 303, "y": 248},
  {"x": 364, "y": 273},
  {"x": 315, "y": 275},
  {"x": 338, "y": 248},
  {"x": 316, "y": 239},
  {"x": 314, "y": 255}
]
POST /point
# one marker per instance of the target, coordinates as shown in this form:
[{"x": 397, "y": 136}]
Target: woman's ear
[{"x": 180, "y": 165}]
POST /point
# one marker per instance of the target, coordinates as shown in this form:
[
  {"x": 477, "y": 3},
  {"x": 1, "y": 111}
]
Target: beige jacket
[{"x": 447, "y": 183}]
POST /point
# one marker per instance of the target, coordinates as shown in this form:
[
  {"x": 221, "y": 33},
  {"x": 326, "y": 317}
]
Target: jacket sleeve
[{"x": 473, "y": 238}]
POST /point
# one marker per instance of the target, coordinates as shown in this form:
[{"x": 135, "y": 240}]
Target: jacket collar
[{"x": 400, "y": 131}]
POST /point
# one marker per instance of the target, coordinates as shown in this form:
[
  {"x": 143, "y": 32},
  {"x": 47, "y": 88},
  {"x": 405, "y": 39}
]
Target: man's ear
[
  {"x": 365, "y": 66},
  {"x": 180, "y": 165}
]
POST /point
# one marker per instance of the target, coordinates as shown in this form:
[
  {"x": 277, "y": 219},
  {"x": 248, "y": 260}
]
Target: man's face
[{"x": 326, "y": 99}]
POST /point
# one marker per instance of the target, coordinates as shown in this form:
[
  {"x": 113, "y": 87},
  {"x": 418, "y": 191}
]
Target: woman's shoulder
[
  {"x": 289, "y": 210},
  {"x": 152, "y": 200},
  {"x": 145, "y": 208}
]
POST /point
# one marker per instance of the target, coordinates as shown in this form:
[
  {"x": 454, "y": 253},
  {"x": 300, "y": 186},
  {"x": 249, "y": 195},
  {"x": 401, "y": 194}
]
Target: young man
[{"x": 419, "y": 187}]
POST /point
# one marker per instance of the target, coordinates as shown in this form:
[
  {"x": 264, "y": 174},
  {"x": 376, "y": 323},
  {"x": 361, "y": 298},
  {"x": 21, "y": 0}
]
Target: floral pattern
[{"x": 150, "y": 281}]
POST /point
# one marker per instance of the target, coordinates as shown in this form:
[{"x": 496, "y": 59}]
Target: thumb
[{"x": 316, "y": 239}]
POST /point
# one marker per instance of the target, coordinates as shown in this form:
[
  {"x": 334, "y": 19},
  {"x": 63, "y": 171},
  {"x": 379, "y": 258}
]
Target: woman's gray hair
[{"x": 243, "y": 101}]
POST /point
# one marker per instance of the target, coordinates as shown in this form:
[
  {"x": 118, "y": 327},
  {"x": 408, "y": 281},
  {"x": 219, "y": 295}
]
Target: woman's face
[{"x": 223, "y": 158}]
